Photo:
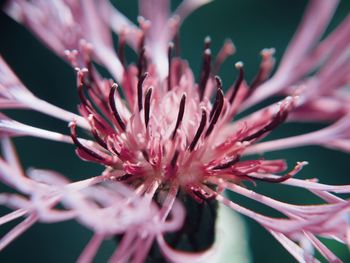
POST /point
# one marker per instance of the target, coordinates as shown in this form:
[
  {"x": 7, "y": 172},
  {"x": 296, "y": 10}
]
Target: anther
[
  {"x": 206, "y": 67},
  {"x": 279, "y": 118},
  {"x": 85, "y": 149},
  {"x": 145, "y": 155},
  {"x": 174, "y": 159},
  {"x": 123, "y": 177},
  {"x": 238, "y": 82},
  {"x": 219, "y": 86},
  {"x": 227, "y": 164},
  {"x": 199, "y": 131},
  {"x": 147, "y": 106},
  {"x": 177, "y": 46},
  {"x": 179, "y": 115},
  {"x": 139, "y": 89},
  {"x": 282, "y": 178},
  {"x": 200, "y": 195},
  {"x": 94, "y": 132},
  {"x": 170, "y": 51},
  {"x": 141, "y": 62},
  {"x": 80, "y": 84},
  {"x": 114, "y": 108},
  {"x": 219, "y": 107},
  {"x": 111, "y": 146},
  {"x": 141, "y": 43}
]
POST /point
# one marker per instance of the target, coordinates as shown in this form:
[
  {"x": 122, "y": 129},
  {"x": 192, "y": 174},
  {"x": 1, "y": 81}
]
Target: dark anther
[
  {"x": 141, "y": 43},
  {"x": 201, "y": 194},
  {"x": 206, "y": 67},
  {"x": 123, "y": 177},
  {"x": 219, "y": 107},
  {"x": 147, "y": 105},
  {"x": 238, "y": 81},
  {"x": 94, "y": 132},
  {"x": 179, "y": 115},
  {"x": 145, "y": 155},
  {"x": 139, "y": 89},
  {"x": 111, "y": 147},
  {"x": 90, "y": 68},
  {"x": 272, "y": 180},
  {"x": 170, "y": 51},
  {"x": 114, "y": 108},
  {"x": 85, "y": 149},
  {"x": 81, "y": 84},
  {"x": 141, "y": 64},
  {"x": 121, "y": 49},
  {"x": 227, "y": 164},
  {"x": 174, "y": 159},
  {"x": 216, "y": 103},
  {"x": 177, "y": 44},
  {"x": 199, "y": 131},
  {"x": 277, "y": 120}
]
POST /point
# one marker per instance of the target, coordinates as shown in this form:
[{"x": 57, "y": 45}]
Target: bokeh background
[{"x": 252, "y": 25}]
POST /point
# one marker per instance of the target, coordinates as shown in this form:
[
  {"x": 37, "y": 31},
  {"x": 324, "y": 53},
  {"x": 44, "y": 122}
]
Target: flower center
[{"x": 168, "y": 130}]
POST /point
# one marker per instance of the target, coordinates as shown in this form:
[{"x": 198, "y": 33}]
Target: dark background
[{"x": 252, "y": 25}]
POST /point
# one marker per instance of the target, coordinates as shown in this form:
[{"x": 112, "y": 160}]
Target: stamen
[
  {"x": 205, "y": 72},
  {"x": 147, "y": 106},
  {"x": 101, "y": 126},
  {"x": 199, "y": 131},
  {"x": 200, "y": 195},
  {"x": 86, "y": 49},
  {"x": 141, "y": 62},
  {"x": 139, "y": 89},
  {"x": 90, "y": 69},
  {"x": 238, "y": 82},
  {"x": 170, "y": 50},
  {"x": 111, "y": 147},
  {"x": 219, "y": 106},
  {"x": 141, "y": 43},
  {"x": 94, "y": 132},
  {"x": 87, "y": 106},
  {"x": 282, "y": 178},
  {"x": 228, "y": 49},
  {"x": 265, "y": 69},
  {"x": 123, "y": 177},
  {"x": 179, "y": 115},
  {"x": 177, "y": 44},
  {"x": 85, "y": 149},
  {"x": 145, "y": 155},
  {"x": 279, "y": 118},
  {"x": 80, "y": 84},
  {"x": 228, "y": 164},
  {"x": 114, "y": 108},
  {"x": 174, "y": 159},
  {"x": 213, "y": 110}
]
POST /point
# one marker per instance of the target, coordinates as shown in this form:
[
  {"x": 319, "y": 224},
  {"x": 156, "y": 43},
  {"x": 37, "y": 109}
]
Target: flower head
[{"x": 166, "y": 139}]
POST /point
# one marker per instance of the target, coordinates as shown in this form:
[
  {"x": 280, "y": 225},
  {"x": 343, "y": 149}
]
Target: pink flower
[{"x": 160, "y": 136}]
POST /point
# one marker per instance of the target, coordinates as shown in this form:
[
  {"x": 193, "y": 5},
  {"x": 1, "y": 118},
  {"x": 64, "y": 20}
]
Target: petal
[
  {"x": 18, "y": 230},
  {"x": 91, "y": 248}
]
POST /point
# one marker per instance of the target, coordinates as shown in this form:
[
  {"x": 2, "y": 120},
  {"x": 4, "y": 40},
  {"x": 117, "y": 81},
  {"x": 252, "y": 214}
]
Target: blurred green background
[{"x": 252, "y": 25}]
